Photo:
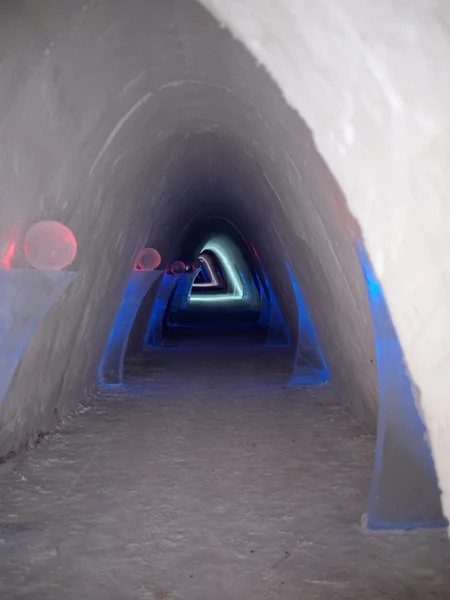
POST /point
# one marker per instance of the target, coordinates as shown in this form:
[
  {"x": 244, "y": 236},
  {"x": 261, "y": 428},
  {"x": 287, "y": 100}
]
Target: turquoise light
[{"x": 219, "y": 248}]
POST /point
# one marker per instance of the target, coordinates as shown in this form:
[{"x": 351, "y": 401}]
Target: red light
[
  {"x": 255, "y": 252},
  {"x": 7, "y": 260}
]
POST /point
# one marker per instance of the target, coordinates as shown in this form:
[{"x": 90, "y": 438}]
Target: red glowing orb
[
  {"x": 177, "y": 267},
  {"x": 149, "y": 259},
  {"x": 50, "y": 245}
]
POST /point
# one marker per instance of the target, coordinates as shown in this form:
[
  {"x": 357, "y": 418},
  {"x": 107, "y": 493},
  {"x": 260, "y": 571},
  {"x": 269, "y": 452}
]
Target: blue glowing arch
[
  {"x": 26, "y": 297},
  {"x": 309, "y": 365},
  {"x": 271, "y": 315},
  {"x": 405, "y": 493},
  {"x": 110, "y": 372},
  {"x": 181, "y": 295},
  {"x": 156, "y": 323}
]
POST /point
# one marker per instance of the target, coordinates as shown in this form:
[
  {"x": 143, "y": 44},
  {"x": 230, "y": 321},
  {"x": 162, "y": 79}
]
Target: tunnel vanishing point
[{"x": 294, "y": 154}]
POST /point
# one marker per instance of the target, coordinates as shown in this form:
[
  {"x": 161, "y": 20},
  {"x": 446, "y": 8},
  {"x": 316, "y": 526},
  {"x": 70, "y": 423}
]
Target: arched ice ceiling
[
  {"x": 122, "y": 120},
  {"x": 125, "y": 119}
]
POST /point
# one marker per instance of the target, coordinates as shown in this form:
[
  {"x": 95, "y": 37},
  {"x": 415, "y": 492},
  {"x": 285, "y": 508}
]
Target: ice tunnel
[{"x": 210, "y": 226}]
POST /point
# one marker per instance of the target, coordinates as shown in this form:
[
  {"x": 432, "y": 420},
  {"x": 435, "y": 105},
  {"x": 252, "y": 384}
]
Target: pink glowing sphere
[
  {"x": 50, "y": 245},
  {"x": 148, "y": 259},
  {"x": 177, "y": 267}
]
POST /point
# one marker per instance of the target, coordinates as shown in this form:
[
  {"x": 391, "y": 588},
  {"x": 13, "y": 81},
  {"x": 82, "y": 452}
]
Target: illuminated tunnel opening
[
  {"x": 246, "y": 419},
  {"x": 230, "y": 302},
  {"x": 231, "y": 307}
]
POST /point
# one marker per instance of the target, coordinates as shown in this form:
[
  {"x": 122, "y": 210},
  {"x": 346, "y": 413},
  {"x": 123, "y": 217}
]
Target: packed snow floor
[{"x": 207, "y": 478}]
